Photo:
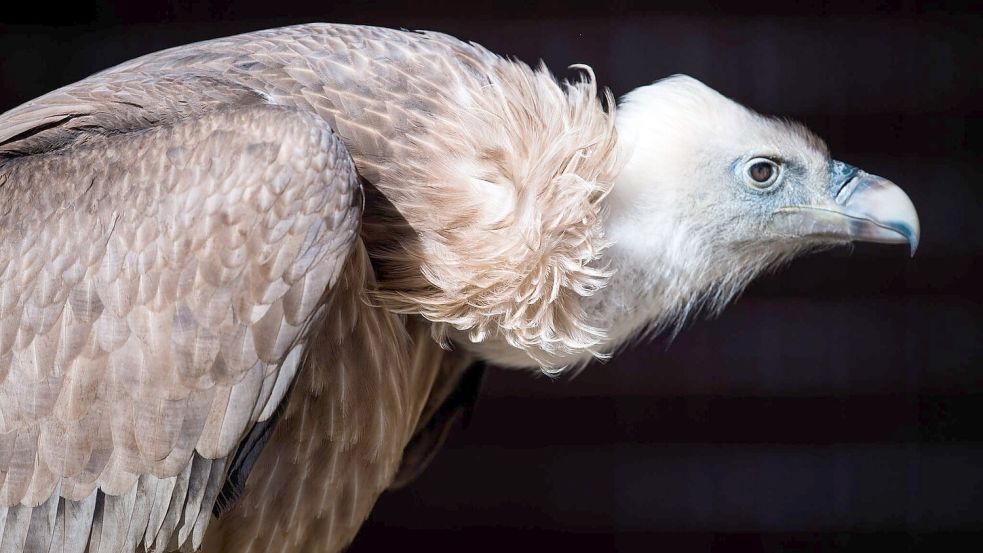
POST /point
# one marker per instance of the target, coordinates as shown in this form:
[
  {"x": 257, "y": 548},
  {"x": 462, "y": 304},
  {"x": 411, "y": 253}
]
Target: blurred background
[{"x": 838, "y": 405}]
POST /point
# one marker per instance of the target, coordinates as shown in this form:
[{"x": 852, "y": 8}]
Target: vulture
[{"x": 246, "y": 284}]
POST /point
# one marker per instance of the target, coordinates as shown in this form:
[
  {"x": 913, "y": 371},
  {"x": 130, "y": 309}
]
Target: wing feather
[
  {"x": 201, "y": 469},
  {"x": 74, "y": 520},
  {"x": 17, "y": 523},
  {"x": 170, "y": 514}
]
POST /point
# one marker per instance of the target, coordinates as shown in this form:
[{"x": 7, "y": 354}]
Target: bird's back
[{"x": 377, "y": 87}]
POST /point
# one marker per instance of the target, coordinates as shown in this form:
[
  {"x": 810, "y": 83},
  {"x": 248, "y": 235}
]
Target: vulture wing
[{"x": 165, "y": 245}]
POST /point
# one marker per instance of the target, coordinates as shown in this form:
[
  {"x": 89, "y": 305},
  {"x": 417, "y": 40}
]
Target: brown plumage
[{"x": 247, "y": 276}]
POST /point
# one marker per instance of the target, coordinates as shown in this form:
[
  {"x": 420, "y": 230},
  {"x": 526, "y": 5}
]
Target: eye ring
[{"x": 762, "y": 173}]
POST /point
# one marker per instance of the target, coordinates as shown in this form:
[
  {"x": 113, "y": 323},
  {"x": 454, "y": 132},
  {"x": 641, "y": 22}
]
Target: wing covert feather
[{"x": 151, "y": 284}]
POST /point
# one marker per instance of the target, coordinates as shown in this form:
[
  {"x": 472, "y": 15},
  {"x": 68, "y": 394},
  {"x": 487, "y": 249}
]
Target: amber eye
[{"x": 762, "y": 173}]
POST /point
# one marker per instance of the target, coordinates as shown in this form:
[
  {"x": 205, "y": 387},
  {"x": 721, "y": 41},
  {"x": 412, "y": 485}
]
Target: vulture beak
[{"x": 861, "y": 207}]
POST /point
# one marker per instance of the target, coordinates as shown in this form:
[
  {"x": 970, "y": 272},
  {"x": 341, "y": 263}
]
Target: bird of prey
[{"x": 244, "y": 283}]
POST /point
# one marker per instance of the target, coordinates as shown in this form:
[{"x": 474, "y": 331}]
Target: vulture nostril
[{"x": 845, "y": 189}]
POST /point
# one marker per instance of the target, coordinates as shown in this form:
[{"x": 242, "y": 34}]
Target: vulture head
[{"x": 712, "y": 193}]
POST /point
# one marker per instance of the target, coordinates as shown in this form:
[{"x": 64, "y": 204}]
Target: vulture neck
[{"x": 660, "y": 270}]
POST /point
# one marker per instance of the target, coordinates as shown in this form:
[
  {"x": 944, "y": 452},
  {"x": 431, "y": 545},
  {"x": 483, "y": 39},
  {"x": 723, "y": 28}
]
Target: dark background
[{"x": 837, "y": 405}]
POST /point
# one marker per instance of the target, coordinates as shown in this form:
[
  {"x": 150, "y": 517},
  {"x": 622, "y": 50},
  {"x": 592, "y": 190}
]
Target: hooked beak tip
[{"x": 885, "y": 207}]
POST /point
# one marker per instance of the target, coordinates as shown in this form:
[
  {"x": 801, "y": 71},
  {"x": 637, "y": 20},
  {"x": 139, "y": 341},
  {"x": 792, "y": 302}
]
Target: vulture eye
[{"x": 762, "y": 173}]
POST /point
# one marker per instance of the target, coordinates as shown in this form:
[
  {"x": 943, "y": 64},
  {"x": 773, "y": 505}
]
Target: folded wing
[{"x": 159, "y": 267}]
